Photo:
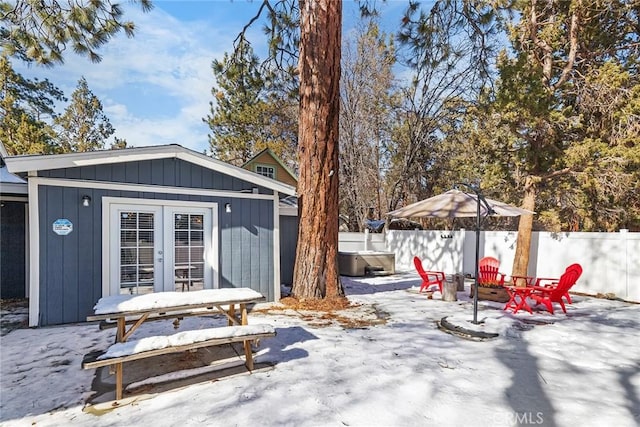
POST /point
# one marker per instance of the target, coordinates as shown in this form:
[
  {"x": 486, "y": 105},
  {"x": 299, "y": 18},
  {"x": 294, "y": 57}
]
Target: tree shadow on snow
[
  {"x": 366, "y": 285},
  {"x": 526, "y": 394},
  {"x": 149, "y": 377}
]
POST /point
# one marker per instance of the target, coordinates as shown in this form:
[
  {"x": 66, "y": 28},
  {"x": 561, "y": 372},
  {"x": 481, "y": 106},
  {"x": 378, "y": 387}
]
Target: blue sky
[{"x": 156, "y": 87}]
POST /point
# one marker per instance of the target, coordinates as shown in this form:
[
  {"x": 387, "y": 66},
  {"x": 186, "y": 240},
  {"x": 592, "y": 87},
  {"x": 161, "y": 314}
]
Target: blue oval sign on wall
[{"x": 62, "y": 226}]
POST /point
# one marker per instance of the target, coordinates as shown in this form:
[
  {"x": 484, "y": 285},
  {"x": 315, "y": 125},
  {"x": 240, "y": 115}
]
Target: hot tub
[{"x": 362, "y": 263}]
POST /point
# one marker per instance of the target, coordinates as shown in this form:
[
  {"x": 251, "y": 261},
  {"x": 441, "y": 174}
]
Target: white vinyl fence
[{"x": 610, "y": 261}]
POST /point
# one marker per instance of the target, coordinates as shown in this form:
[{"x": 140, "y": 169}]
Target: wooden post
[
  {"x": 449, "y": 291},
  {"x": 459, "y": 279}
]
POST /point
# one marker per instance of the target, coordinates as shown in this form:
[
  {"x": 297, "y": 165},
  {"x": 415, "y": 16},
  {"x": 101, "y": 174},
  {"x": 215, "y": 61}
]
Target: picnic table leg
[
  {"x": 231, "y": 314},
  {"x": 120, "y": 329},
  {"x": 119, "y": 381},
  {"x": 248, "y": 353},
  {"x": 243, "y": 314}
]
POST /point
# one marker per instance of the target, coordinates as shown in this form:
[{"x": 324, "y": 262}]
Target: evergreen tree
[
  {"x": 41, "y": 30},
  {"x": 236, "y": 119},
  {"x": 83, "y": 126},
  {"x": 248, "y": 114},
  {"x": 560, "y": 49},
  {"x": 25, "y": 107},
  {"x": 118, "y": 144},
  {"x": 554, "y": 133},
  {"x": 316, "y": 268}
]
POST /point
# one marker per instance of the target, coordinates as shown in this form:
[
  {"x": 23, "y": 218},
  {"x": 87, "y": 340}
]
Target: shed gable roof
[{"x": 27, "y": 163}]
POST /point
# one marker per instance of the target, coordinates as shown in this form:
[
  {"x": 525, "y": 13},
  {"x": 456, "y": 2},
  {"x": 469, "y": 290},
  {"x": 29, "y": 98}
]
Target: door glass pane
[
  {"x": 197, "y": 237},
  {"x": 146, "y": 221},
  {"x": 197, "y": 254},
  {"x": 189, "y": 252},
  {"x": 182, "y": 238},
  {"x": 146, "y": 255},
  {"x": 136, "y": 252},
  {"x": 196, "y": 222},
  {"x": 145, "y": 238},
  {"x": 182, "y": 255}
]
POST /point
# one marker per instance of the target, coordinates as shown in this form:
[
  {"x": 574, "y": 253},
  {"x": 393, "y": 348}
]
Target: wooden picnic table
[{"x": 134, "y": 310}]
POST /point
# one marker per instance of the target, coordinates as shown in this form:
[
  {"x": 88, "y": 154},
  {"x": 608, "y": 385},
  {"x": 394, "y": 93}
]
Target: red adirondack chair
[
  {"x": 428, "y": 277},
  {"x": 547, "y": 295},
  {"x": 488, "y": 272}
]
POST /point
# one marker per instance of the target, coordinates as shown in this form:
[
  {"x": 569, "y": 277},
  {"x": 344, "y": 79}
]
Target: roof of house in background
[
  {"x": 11, "y": 184},
  {"x": 267, "y": 151},
  {"x": 3, "y": 151}
]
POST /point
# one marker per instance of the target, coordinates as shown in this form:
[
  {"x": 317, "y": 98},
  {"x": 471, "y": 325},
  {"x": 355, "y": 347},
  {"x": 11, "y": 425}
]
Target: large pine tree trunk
[
  {"x": 525, "y": 227},
  {"x": 316, "y": 269}
]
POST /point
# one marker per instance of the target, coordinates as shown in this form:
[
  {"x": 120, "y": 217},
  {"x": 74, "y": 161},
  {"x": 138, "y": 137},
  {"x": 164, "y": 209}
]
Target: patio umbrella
[{"x": 455, "y": 204}]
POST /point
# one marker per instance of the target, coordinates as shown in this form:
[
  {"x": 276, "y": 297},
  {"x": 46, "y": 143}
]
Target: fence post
[
  {"x": 366, "y": 239},
  {"x": 624, "y": 235}
]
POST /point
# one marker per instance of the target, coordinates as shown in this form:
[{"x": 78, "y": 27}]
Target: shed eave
[{"x": 14, "y": 188}]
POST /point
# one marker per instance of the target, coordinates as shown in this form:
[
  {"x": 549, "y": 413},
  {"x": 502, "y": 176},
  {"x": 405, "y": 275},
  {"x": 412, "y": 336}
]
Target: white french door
[
  {"x": 136, "y": 255},
  {"x": 186, "y": 242},
  {"x": 156, "y": 248}
]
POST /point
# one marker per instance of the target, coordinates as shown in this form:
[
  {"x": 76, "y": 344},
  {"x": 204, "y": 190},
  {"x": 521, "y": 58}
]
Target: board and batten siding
[
  {"x": 71, "y": 266},
  {"x": 170, "y": 172},
  {"x": 246, "y": 246}
]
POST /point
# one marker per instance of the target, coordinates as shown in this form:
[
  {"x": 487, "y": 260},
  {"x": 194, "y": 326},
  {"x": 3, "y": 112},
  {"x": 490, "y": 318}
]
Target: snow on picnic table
[
  {"x": 124, "y": 303},
  {"x": 182, "y": 338},
  {"x": 579, "y": 369}
]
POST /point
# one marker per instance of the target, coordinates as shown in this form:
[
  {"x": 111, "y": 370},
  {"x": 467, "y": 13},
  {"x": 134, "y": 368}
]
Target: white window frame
[{"x": 261, "y": 165}]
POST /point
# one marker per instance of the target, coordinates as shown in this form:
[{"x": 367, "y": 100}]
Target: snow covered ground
[{"x": 395, "y": 368}]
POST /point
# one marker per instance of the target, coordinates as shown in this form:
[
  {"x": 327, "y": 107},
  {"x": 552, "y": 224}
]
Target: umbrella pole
[
  {"x": 475, "y": 282},
  {"x": 479, "y": 196}
]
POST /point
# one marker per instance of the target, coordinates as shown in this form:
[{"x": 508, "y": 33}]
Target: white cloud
[
  {"x": 155, "y": 87},
  {"x": 179, "y": 130}
]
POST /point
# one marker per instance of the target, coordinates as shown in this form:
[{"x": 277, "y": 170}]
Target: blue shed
[{"x": 140, "y": 220}]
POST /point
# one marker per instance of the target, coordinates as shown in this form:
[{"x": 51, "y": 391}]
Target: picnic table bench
[{"x": 134, "y": 310}]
